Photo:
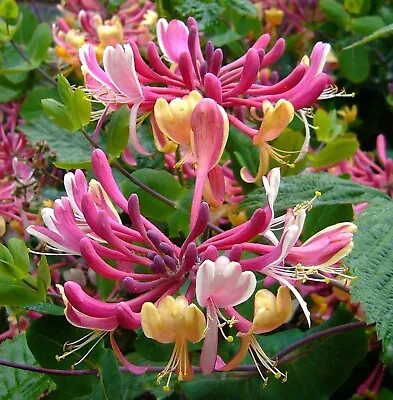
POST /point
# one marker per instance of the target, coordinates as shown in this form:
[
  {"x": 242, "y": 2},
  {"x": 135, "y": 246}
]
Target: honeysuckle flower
[
  {"x": 174, "y": 321},
  {"x": 233, "y": 85},
  {"x": 276, "y": 118},
  {"x": 364, "y": 168},
  {"x": 88, "y": 22},
  {"x": 220, "y": 284},
  {"x": 86, "y": 223},
  {"x": 83, "y": 311},
  {"x": 270, "y": 312}
]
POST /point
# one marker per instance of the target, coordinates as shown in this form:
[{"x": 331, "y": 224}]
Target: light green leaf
[
  {"x": 59, "y": 114},
  {"x": 20, "y": 254},
  {"x": 9, "y": 9},
  {"x": 14, "y": 292},
  {"x": 343, "y": 148},
  {"x": 118, "y": 131},
  {"x": 367, "y": 25},
  {"x": 82, "y": 107}
]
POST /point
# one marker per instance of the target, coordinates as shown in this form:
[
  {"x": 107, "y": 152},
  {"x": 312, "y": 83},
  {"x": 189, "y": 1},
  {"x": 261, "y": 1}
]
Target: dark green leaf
[
  {"x": 46, "y": 337},
  {"x": 297, "y": 189},
  {"x": 109, "y": 387},
  {"x": 371, "y": 261},
  {"x": 354, "y": 64},
  {"x": 18, "y": 384},
  {"x": 335, "y": 12},
  {"x": 160, "y": 181},
  {"x": 45, "y": 308},
  {"x": 321, "y": 217},
  {"x": 32, "y": 107},
  {"x": 13, "y": 292},
  {"x": 316, "y": 373},
  {"x": 71, "y": 151}
]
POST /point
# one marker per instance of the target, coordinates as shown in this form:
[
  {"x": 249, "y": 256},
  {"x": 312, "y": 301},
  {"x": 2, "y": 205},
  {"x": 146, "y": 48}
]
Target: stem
[
  {"x": 251, "y": 368},
  {"x": 139, "y": 183},
  {"x": 27, "y": 59}
]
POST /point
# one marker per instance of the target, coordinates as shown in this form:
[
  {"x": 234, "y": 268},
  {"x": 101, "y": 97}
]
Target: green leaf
[
  {"x": 38, "y": 46},
  {"x": 109, "y": 387},
  {"x": 290, "y": 141},
  {"x": 71, "y": 151},
  {"x": 327, "y": 126},
  {"x": 43, "y": 277},
  {"x": 317, "y": 371},
  {"x": 118, "y": 131},
  {"x": 32, "y": 107},
  {"x": 206, "y": 13},
  {"x": 335, "y": 12},
  {"x": 367, "y": 25},
  {"x": 386, "y": 31},
  {"x": 342, "y": 148},
  {"x": 353, "y": 6},
  {"x": 371, "y": 261},
  {"x": 319, "y": 218},
  {"x": 46, "y": 337},
  {"x": 9, "y": 9},
  {"x": 45, "y": 308},
  {"x": 160, "y": 181},
  {"x": 82, "y": 107},
  {"x": 59, "y": 114},
  {"x": 13, "y": 292},
  {"x": 65, "y": 90},
  {"x": 354, "y": 64},
  {"x": 297, "y": 189},
  {"x": 20, "y": 254},
  {"x": 17, "y": 384},
  {"x": 243, "y": 7}
]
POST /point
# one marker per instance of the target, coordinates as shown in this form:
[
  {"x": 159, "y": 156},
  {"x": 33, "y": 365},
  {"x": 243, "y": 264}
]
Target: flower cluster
[
  {"x": 212, "y": 271},
  {"x": 88, "y": 22},
  {"x": 171, "y": 90},
  {"x": 16, "y": 170}
]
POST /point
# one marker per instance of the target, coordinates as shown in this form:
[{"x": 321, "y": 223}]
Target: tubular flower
[
  {"x": 88, "y": 22},
  {"x": 234, "y": 85},
  {"x": 101, "y": 318},
  {"x": 270, "y": 312},
  {"x": 220, "y": 284},
  {"x": 174, "y": 321},
  {"x": 276, "y": 118},
  {"x": 367, "y": 170},
  {"x": 214, "y": 270}
]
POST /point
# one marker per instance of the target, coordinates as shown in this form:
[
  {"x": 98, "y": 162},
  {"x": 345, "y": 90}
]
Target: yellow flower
[
  {"x": 174, "y": 118},
  {"x": 269, "y": 313},
  {"x": 275, "y": 119},
  {"x": 111, "y": 32},
  {"x": 274, "y": 16},
  {"x": 349, "y": 114},
  {"x": 174, "y": 321}
]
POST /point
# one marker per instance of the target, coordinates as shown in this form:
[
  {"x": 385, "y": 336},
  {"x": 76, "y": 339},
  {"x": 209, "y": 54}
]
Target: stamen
[
  {"x": 307, "y": 205},
  {"x": 333, "y": 91}
]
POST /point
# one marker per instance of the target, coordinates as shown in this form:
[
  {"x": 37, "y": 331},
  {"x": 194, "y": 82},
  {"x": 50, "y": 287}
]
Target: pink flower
[{"x": 220, "y": 284}]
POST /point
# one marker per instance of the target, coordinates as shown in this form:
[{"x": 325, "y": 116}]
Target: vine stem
[
  {"x": 139, "y": 183},
  {"x": 247, "y": 368}
]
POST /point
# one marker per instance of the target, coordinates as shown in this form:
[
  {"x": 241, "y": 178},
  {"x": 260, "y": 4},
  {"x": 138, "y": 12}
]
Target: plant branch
[
  {"x": 251, "y": 368},
  {"x": 139, "y": 183}
]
